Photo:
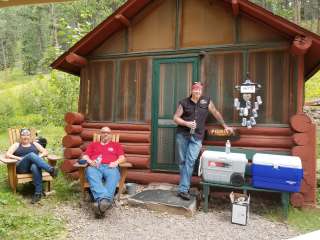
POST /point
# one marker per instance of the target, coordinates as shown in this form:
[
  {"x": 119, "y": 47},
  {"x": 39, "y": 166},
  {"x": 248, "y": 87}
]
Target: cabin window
[
  {"x": 132, "y": 103},
  {"x": 271, "y": 70},
  {"x": 223, "y": 71},
  {"x": 101, "y": 81}
]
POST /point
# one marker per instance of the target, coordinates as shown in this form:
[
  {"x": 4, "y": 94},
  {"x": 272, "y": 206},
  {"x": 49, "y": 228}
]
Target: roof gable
[{"x": 122, "y": 17}]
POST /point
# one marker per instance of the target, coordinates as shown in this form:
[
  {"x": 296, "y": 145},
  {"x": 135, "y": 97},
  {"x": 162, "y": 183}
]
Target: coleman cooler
[
  {"x": 221, "y": 167},
  {"x": 277, "y": 172}
]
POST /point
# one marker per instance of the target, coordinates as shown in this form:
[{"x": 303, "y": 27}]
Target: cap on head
[{"x": 197, "y": 86}]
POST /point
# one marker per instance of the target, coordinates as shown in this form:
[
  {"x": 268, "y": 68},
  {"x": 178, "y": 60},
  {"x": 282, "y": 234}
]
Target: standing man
[
  {"x": 190, "y": 117},
  {"x": 103, "y": 174}
]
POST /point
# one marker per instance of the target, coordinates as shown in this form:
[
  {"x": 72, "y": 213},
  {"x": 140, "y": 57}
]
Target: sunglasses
[{"x": 25, "y": 132}]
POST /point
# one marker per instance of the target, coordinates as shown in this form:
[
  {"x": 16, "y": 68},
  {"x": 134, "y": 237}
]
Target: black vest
[{"x": 195, "y": 111}]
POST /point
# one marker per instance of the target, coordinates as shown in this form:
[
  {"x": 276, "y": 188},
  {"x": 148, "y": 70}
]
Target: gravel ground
[{"x": 124, "y": 222}]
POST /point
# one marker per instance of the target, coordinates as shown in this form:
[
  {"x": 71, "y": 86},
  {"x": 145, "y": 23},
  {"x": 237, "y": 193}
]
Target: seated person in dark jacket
[{"x": 29, "y": 155}]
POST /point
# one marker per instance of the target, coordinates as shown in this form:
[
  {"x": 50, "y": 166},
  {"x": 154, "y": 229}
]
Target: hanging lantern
[{"x": 248, "y": 103}]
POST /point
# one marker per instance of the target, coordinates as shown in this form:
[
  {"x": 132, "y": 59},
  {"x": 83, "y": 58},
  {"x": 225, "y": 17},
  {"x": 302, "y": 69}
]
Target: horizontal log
[
  {"x": 123, "y": 19},
  {"x": 72, "y": 152},
  {"x": 73, "y": 129},
  {"x": 264, "y": 131},
  {"x": 84, "y": 145},
  {"x": 300, "y": 45},
  {"x": 117, "y": 126},
  {"x": 125, "y": 136},
  {"x": 305, "y": 153},
  {"x": 301, "y": 122},
  {"x": 258, "y": 141},
  {"x": 139, "y": 161},
  {"x": 301, "y": 139},
  {"x": 68, "y": 165},
  {"x": 76, "y": 60},
  {"x": 137, "y": 148},
  {"x": 146, "y": 177},
  {"x": 71, "y": 141},
  {"x": 73, "y": 118}
]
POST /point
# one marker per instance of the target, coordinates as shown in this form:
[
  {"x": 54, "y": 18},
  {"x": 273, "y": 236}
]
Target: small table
[{"x": 284, "y": 195}]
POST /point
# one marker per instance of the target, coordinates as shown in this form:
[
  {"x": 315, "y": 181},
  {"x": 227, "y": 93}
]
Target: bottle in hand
[
  {"x": 98, "y": 160},
  {"x": 228, "y": 147},
  {"x": 192, "y": 130}
]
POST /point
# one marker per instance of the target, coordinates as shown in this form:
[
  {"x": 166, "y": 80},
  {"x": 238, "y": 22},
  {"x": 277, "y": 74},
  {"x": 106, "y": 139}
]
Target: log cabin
[{"x": 138, "y": 63}]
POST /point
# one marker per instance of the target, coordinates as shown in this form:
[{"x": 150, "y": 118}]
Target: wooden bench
[
  {"x": 245, "y": 188},
  {"x": 123, "y": 170},
  {"x": 285, "y": 196}
]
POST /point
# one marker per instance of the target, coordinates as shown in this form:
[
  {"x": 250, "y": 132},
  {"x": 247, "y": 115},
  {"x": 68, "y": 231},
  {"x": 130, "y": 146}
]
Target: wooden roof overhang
[
  {"x": 303, "y": 41},
  {"x": 11, "y": 3}
]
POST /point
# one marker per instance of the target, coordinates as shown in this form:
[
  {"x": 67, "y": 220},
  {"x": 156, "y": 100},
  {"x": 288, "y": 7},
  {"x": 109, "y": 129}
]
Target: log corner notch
[
  {"x": 300, "y": 45},
  {"x": 235, "y": 7},
  {"x": 72, "y": 142},
  {"x": 305, "y": 141},
  {"x": 123, "y": 20},
  {"x": 76, "y": 60}
]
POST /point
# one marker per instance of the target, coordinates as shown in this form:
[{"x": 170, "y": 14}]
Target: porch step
[{"x": 164, "y": 201}]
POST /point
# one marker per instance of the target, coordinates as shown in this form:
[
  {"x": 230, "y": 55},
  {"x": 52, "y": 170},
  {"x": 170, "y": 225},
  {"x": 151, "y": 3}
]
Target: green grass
[
  {"x": 21, "y": 220},
  {"x": 303, "y": 220},
  {"x": 12, "y": 78}
]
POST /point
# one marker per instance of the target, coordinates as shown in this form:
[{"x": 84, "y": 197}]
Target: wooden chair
[
  {"x": 123, "y": 170},
  {"x": 15, "y": 178}
]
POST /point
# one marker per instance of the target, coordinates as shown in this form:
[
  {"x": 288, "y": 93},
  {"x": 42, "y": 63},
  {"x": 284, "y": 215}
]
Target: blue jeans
[
  {"x": 103, "y": 181},
  {"x": 34, "y": 164},
  {"x": 187, "y": 151}
]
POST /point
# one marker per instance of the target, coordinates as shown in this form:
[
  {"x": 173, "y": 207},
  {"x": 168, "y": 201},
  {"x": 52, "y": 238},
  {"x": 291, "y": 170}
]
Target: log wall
[{"x": 298, "y": 140}]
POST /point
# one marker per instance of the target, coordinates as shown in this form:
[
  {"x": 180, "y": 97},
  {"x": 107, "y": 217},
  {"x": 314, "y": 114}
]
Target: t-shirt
[
  {"x": 195, "y": 112},
  {"x": 110, "y": 152}
]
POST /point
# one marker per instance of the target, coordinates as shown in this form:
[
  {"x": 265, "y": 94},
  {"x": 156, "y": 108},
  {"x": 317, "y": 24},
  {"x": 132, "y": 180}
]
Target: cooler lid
[
  {"x": 277, "y": 160},
  {"x": 214, "y": 155}
]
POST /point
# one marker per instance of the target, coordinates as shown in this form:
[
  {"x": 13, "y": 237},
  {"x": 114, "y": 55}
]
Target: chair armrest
[
  {"x": 7, "y": 160},
  {"x": 53, "y": 157},
  {"x": 125, "y": 165},
  {"x": 77, "y": 165}
]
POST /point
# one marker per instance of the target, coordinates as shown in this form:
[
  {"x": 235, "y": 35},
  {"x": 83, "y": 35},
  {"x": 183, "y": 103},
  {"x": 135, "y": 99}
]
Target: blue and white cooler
[{"x": 278, "y": 172}]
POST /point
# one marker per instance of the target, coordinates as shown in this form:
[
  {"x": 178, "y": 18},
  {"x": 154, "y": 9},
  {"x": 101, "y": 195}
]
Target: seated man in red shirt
[{"x": 103, "y": 174}]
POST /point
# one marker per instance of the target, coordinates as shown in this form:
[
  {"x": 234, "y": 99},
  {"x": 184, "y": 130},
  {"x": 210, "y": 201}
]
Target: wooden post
[{"x": 299, "y": 48}]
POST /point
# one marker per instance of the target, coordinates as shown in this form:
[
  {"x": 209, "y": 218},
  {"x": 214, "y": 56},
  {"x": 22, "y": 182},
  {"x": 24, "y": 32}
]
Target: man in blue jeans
[
  {"x": 103, "y": 173},
  {"x": 190, "y": 117}
]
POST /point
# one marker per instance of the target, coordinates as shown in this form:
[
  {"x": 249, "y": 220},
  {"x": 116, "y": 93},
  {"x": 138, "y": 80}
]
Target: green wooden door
[{"x": 172, "y": 80}]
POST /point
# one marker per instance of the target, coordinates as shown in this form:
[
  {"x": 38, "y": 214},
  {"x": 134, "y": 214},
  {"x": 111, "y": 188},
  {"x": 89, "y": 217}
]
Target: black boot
[
  {"x": 36, "y": 198},
  {"x": 54, "y": 172}
]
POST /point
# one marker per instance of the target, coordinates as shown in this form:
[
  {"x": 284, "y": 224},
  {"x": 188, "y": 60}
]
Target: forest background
[{"x": 31, "y": 37}]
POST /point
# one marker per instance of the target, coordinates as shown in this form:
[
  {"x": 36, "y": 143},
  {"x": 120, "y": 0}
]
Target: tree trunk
[
  {"x": 54, "y": 26},
  {"x": 297, "y": 11},
  {"x": 3, "y": 55}
]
